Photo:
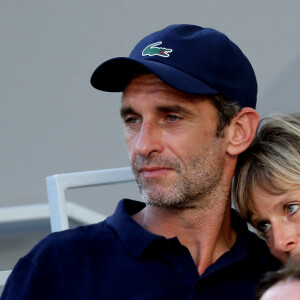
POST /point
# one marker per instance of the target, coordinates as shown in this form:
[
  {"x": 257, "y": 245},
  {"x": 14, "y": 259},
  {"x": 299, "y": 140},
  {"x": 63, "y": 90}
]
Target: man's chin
[
  {"x": 164, "y": 200},
  {"x": 171, "y": 205}
]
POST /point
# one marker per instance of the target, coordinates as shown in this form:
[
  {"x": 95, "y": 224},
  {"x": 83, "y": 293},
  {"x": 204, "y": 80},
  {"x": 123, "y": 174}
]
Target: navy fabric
[
  {"x": 118, "y": 259},
  {"x": 189, "y": 58}
]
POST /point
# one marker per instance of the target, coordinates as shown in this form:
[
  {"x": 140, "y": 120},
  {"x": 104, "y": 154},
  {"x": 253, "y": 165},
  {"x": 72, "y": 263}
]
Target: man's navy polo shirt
[{"x": 118, "y": 259}]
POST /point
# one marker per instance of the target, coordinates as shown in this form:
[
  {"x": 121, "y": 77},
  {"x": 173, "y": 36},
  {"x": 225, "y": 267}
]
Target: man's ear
[{"x": 241, "y": 130}]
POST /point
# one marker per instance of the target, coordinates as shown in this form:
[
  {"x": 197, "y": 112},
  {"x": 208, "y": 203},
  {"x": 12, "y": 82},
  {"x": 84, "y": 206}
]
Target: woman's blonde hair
[{"x": 271, "y": 163}]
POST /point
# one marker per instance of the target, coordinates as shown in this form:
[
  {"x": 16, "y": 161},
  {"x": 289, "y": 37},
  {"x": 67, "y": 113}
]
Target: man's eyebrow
[
  {"x": 173, "y": 108},
  {"x": 124, "y": 111}
]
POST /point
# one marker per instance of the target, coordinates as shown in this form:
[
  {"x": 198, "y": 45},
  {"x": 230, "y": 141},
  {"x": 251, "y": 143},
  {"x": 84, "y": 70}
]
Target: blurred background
[{"x": 52, "y": 121}]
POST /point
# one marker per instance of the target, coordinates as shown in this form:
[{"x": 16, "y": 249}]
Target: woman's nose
[{"x": 285, "y": 238}]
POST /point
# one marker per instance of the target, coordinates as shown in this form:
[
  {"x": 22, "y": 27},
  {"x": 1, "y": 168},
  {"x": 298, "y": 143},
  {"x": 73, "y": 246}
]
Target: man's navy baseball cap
[{"x": 188, "y": 58}]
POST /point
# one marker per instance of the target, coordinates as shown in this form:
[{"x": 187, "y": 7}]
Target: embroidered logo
[{"x": 152, "y": 50}]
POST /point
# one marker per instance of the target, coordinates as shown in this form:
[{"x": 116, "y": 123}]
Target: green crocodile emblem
[{"x": 152, "y": 50}]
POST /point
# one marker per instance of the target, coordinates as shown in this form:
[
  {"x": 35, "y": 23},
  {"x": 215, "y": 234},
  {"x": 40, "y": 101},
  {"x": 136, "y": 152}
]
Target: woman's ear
[{"x": 241, "y": 130}]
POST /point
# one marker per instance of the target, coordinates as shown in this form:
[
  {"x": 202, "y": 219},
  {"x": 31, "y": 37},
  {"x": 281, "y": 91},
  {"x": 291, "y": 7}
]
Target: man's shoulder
[
  {"x": 87, "y": 238},
  {"x": 79, "y": 234},
  {"x": 62, "y": 243}
]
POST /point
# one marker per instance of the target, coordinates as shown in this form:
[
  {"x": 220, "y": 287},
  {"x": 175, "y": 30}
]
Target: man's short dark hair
[{"x": 227, "y": 109}]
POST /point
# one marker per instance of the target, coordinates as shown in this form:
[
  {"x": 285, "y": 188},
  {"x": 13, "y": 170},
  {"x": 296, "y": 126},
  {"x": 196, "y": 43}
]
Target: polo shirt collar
[
  {"x": 136, "y": 239},
  {"x": 133, "y": 236}
]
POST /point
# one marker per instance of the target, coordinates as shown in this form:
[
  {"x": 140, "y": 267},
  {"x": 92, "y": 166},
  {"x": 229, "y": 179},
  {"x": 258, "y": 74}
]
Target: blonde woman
[{"x": 267, "y": 184}]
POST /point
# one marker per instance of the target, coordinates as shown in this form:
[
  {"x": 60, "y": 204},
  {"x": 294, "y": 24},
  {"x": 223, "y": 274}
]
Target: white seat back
[{"x": 58, "y": 184}]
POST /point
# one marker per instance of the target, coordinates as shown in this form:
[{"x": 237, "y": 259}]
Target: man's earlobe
[{"x": 242, "y": 130}]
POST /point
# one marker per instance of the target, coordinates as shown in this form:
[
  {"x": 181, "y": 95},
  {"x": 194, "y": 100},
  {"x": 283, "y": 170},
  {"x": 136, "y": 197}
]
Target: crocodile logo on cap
[{"x": 152, "y": 50}]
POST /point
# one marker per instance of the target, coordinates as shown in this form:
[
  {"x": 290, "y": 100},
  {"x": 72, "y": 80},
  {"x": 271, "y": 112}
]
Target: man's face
[{"x": 170, "y": 136}]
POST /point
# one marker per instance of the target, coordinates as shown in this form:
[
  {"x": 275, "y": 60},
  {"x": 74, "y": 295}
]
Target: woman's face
[{"x": 277, "y": 217}]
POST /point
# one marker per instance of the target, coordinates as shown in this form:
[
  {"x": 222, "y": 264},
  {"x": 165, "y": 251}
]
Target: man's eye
[
  {"x": 263, "y": 227},
  {"x": 172, "y": 118},
  {"x": 131, "y": 120},
  {"x": 291, "y": 208}
]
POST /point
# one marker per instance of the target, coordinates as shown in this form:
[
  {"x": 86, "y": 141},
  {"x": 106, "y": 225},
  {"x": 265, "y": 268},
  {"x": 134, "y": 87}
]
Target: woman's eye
[
  {"x": 291, "y": 208},
  {"x": 263, "y": 227}
]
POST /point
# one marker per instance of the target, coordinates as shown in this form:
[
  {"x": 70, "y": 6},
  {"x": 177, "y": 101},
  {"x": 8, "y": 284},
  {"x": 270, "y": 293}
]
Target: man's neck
[{"x": 207, "y": 233}]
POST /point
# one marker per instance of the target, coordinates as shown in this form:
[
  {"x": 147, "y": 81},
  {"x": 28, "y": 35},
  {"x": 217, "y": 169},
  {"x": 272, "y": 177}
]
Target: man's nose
[
  {"x": 149, "y": 139},
  {"x": 285, "y": 238}
]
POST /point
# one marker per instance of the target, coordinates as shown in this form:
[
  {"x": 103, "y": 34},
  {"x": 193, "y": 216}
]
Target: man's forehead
[{"x": 151, "y": 84}]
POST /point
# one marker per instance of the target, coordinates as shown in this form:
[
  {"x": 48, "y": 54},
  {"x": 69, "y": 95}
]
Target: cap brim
[{"x": 114, "y": 75}]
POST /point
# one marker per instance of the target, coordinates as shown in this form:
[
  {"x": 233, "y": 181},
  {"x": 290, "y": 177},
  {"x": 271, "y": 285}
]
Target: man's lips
[{"x": 154, "y": 171}]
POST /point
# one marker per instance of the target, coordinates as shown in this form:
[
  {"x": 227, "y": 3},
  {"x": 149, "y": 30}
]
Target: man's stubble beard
[{"x": 193, "y": 182}]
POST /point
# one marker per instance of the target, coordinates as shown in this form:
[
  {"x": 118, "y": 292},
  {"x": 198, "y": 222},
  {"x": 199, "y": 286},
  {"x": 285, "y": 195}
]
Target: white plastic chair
[
  {"x": 3, "y": 277},
  {"x": 58, "y": 184}
]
